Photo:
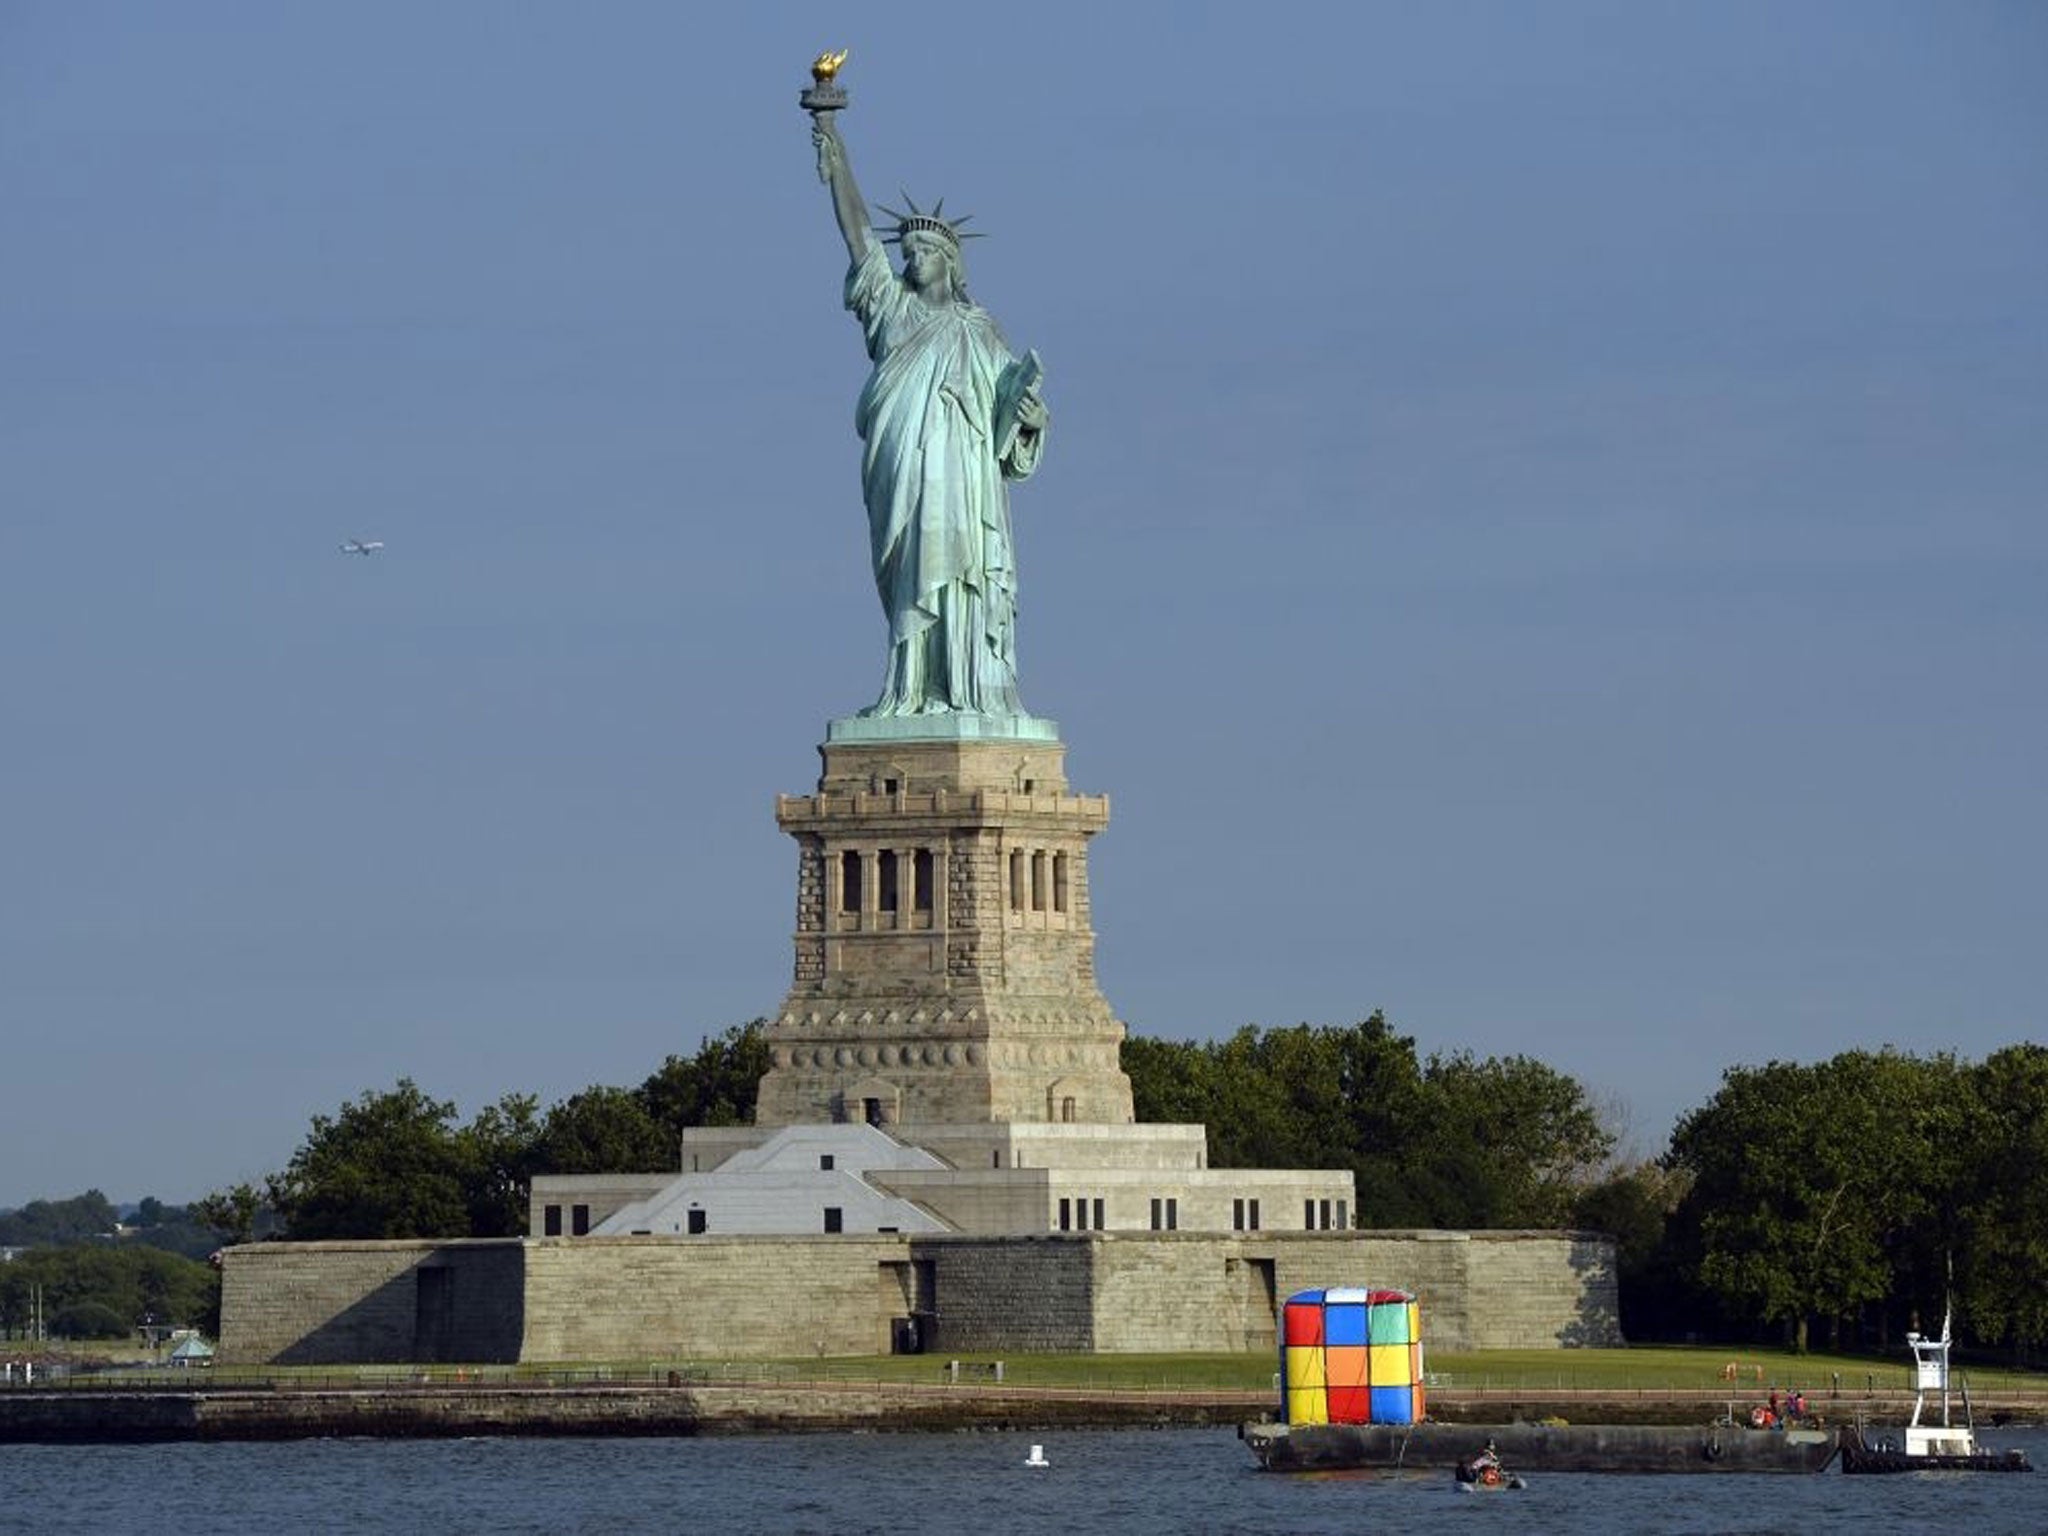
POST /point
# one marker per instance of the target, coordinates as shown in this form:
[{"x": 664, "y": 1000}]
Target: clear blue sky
[{"x": 1542, "y": 531}]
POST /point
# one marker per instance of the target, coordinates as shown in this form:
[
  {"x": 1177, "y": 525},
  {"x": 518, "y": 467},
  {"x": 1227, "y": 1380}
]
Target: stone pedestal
[{"x": 945, "y": 963}]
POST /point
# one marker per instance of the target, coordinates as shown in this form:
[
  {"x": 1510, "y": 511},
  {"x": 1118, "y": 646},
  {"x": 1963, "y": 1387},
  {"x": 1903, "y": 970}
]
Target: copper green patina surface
[{"x": 948, "y": 417}]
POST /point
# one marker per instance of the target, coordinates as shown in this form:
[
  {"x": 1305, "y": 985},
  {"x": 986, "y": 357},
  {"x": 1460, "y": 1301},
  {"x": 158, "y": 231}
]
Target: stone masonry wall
[
  {"x": 974, "y": 867},
  {"x": 1012, "y": 1293},
  {"x": 337, "y": 1303},
  {"x": 1532, "y": 1289},
  {"x": 625, "y": 1298},
  {"x": 1479, "y": 1290},
  {"x": 276, "y": 1297},
  {"x": 583, "y": 1299},
  {"x": 1169, "y": 1287},
  {"x": 971, "y": 969},
  {"x": 1182, "y": 1291},
  {"x": 810, "y": 910}
]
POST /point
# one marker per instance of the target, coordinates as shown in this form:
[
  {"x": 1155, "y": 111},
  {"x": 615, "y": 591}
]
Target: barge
[{"x": 1533, "y": 1448}]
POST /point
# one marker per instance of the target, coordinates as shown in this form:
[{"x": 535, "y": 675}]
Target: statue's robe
[{"x": 938, "y": 505}]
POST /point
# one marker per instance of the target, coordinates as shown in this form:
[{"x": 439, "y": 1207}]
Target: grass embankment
[
  {"x": 1652, "y": 1369},
  {"x": 1648, "y": 1369}
]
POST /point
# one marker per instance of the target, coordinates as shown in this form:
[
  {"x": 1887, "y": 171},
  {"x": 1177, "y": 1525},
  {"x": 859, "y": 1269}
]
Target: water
[{"x": 833, "y": 1485}]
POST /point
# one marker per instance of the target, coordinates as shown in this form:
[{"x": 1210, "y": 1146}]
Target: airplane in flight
[{"x": 362, "y": 546}]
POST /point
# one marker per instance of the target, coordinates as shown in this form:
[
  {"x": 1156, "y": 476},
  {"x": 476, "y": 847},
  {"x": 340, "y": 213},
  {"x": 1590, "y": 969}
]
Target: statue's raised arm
[
  {"x": 825, "y": 99},
  {"x": 847, "y": 204},
  {"x": 949, "y": 416}
]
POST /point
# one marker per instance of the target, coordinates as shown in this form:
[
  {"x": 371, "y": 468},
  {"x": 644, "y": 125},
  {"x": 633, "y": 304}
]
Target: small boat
[
  {"x": 1482, "y": 1472},
  {"x": 1923, "y": 1445}
]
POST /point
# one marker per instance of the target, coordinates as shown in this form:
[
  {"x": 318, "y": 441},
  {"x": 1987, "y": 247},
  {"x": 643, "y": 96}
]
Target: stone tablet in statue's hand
[{"x": 1020, "y": 407}]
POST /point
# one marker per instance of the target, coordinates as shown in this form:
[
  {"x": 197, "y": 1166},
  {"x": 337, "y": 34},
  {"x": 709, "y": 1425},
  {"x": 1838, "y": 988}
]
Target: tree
[
  {"x": 503, "y": 1154},
  {"x": 1306, "y": 1096},
  {"x": 717, "y": 1086},
  {"x": 1809, "y": 1181},
  {"x": 397, "y": 1164},
  {"x": 1523, "y": 1138},
  {"x": 387, "y": 1165},
  {"x": 59, "y": 1221},
  {"x": 1275, "y": 1104},
  {"x": 1635, "y": 1205},
  {"x": 603, "y": 1130},
  {"x": 89, "y": 1320},
  {"x": 1455, "y": 1142},
  {"x": 2004, "y": 1203},
  {"x": 128, "y": 1282},
  {"x": 231, "y": 1214},
  {"x": 1172, "y": 1081}
]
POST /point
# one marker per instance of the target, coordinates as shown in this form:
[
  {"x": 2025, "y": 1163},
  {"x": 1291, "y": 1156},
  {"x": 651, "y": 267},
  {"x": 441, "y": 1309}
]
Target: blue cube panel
[
  {"x": 1344, "y": 1325},
  {"x": 1393, "y": 1405}
]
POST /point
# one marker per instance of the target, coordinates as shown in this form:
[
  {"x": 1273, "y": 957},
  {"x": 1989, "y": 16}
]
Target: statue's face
[{"x": 924, "y": 260}]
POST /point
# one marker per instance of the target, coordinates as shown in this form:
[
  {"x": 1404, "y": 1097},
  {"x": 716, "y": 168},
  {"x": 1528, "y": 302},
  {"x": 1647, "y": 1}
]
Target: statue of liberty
[{"x": 948, "y": 416}]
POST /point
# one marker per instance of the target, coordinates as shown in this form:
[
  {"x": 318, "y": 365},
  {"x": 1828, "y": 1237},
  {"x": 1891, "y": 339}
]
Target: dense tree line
[
  {"x": 97, "y": 1291},
  {"x": 101, "y": 1276},
  {"x": 1862, "y": 1194},
  {"x": 1858, "y": 1196},
  {"x": 78, "y": 1219},
  {"x": 1442, "y": 1142},
  {"x": 401, "y": 1163}
]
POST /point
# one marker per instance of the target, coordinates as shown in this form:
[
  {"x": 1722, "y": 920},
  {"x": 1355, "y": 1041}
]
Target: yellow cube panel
[
  {"x": 1309, "y": 1407},
  {"x": 1304, "y": 1367},
  {"x": 1391, "y": 1365}
]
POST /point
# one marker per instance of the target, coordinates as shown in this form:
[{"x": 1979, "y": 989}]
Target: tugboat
[{"x": 1926, "y": 1446}]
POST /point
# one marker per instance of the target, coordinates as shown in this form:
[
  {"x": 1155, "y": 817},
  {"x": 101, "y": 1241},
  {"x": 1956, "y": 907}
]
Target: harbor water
[{"x": 1131, "y": 1481}]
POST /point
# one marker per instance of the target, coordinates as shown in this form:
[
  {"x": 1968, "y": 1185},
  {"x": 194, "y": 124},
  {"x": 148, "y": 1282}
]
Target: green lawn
[{"x": 1653, "y": 1369}]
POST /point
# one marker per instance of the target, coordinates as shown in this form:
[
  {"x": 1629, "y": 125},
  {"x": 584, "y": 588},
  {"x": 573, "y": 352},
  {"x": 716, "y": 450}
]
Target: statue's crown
[{"x": 918, "y": 221}]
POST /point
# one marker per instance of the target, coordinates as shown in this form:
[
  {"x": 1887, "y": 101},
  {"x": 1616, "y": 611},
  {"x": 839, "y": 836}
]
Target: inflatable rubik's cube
[{"x": 1351, "y": 1356}]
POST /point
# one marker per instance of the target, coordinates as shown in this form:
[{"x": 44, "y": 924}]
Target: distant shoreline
[{"x": 80, "y": 1415}]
